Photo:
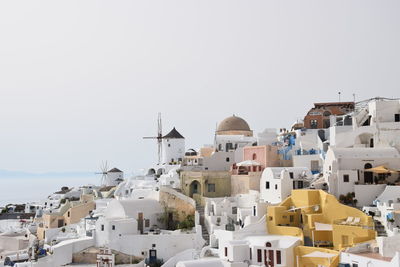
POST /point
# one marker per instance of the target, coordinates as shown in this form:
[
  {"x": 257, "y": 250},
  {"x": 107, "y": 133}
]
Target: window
[
  {"x": 315, "y": 165},
  {"x": 69, "y": 214},
  {"x": 211, "y": 187},
  {"x": 291, "y": 218},
  {"x": 113, "y": 227},
  {"x": 250, "y": 254},
  {"x": 276, "y": 187},
  {"x": 147, "y": 223},
  {"x": 326, "y": 113},
  {"x": 259, "y": 255},
  {"x": 102, "y": 227},
  {"x": 345, "y": 178},
  {"x": 254, "y": 210},
  {"x": 234, "y": 210},
  {"x": 291, "y": 175},
  {"x": 313, "y": 124},
  {"x": 226, "y": 252},
  {"x": 227, "y": 159},
  {"x": 354, "y": 265},
  {"x": 169, "y": 145},
  {"x": 397, "y": 117},
  {"x": 268, "y": 244},
  {"x": 300, "y": 185},
  {"x": 254, "y": 156},
  {"x": 278, "y": 257},
  {"x": 266, "y": 185}
]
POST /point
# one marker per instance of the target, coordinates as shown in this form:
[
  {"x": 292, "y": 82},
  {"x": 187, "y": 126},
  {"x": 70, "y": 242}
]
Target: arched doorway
[
  {"x": 368, "y": 176},
  {"x": 151, "y": 172},
  {"x": 194, "y": 188}
]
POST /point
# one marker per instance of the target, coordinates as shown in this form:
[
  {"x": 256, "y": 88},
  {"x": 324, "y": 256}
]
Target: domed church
[{"x": 234, "y": 126}]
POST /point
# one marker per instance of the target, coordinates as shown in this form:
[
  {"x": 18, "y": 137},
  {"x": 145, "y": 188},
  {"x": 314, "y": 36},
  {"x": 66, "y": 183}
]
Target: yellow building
[
  {"x": 326, "y": 225},
  {"x": 201, "y": 184}
]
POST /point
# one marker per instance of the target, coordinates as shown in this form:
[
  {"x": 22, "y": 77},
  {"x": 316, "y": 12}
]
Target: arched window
[
  {"x": 254, "y": 156},
  {"x": 268, "y": 244}
]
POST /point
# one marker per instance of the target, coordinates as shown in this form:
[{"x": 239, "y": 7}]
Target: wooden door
[
  {"x": 271, "y": 258},
  {"x": 140, "y": 222}
]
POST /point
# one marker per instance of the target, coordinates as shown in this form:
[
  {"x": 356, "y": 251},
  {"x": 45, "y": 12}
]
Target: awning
[
  {"x": 319, "y": 254},
  {"x": 381, "y": 169},
  {"x": 323, "y": 226}
]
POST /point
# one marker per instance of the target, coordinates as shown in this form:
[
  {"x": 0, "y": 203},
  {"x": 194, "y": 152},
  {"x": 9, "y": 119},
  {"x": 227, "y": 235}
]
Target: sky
[{"x": 83, "y": 81}]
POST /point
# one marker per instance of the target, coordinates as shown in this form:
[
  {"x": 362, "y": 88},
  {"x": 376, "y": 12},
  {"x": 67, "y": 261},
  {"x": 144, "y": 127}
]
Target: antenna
[
  {"x": 354, "y": 97},
  {"x": 159, "y": 137},
  {"x": 339, "y": 93}
]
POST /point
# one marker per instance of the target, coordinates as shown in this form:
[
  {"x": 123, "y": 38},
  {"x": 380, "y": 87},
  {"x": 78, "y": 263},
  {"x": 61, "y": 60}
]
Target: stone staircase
[
  {"x": 204, "y": 233},
  {"x": 379, "y": 228}
]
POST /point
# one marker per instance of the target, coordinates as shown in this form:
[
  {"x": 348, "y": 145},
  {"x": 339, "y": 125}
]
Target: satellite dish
[{"x": 316, "y": 208}]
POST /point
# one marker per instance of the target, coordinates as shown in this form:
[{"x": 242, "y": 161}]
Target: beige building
[
  {"x": 246, "y": 174},
  {"x": 69, "y": 213},
  {"x": 206, "y": 184},
  {"x": 245, "y": 177}
]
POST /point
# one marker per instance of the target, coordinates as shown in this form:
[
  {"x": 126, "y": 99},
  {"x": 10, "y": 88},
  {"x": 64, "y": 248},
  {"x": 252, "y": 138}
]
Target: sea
[{"x": 20, "y": 190}]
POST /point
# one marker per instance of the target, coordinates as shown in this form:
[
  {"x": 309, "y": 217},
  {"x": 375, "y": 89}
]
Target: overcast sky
[{"x": 83, "y": 81}]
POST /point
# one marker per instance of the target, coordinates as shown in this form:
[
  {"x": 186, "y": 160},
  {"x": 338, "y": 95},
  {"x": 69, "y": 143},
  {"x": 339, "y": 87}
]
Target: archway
[
  {"x": 368, "y": 176},
  {"x": 194, "y": 188},
  {"x": 160, "y": 172}
]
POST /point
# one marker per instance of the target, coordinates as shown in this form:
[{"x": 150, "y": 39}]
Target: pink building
[
  {"x": 267, "y": 155},
  {"x": 246, "y": 175}
]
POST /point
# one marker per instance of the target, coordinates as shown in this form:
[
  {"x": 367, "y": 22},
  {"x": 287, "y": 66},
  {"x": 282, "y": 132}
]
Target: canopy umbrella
[
  {"x": 247, "y": 163},
  {"x": 381, "y": 169}
]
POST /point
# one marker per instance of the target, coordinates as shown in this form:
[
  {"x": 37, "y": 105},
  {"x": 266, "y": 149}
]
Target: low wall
[{"x": 178, "y": 202}]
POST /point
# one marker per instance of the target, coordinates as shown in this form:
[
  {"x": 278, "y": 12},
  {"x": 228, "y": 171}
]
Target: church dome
[{"x": 234, "y": 126}]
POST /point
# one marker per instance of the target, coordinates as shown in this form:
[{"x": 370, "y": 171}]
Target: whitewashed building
[
  {"x": 277, "y": 183},
  {"x": 344, "y": 167}
]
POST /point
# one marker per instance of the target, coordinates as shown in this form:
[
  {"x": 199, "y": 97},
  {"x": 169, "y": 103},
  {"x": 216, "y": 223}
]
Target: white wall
[
  {"x": 366, "y": 194},
  {"x": 167, "y": 245}
]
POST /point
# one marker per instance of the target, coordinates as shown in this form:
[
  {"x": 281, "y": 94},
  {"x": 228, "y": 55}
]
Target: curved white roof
[
  {"x": 131, "y": 208},
  {"x": 390, "y": 193},
  {"x": 211, "y": 262},
  {"x": 284, "y": 241},
  {"x": 363, "y": 152}
]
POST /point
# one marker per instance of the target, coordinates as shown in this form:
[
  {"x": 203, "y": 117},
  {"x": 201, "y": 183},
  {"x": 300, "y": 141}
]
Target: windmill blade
[
  {"x": 104, "y": 171},
  {"x": 159, "y": 140}
]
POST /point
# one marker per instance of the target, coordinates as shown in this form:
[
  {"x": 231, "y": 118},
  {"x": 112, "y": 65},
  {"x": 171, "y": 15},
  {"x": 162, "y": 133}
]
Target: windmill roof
[
  {"x": 173, "y": 134},
  {"x": 115, "y": 170}
]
